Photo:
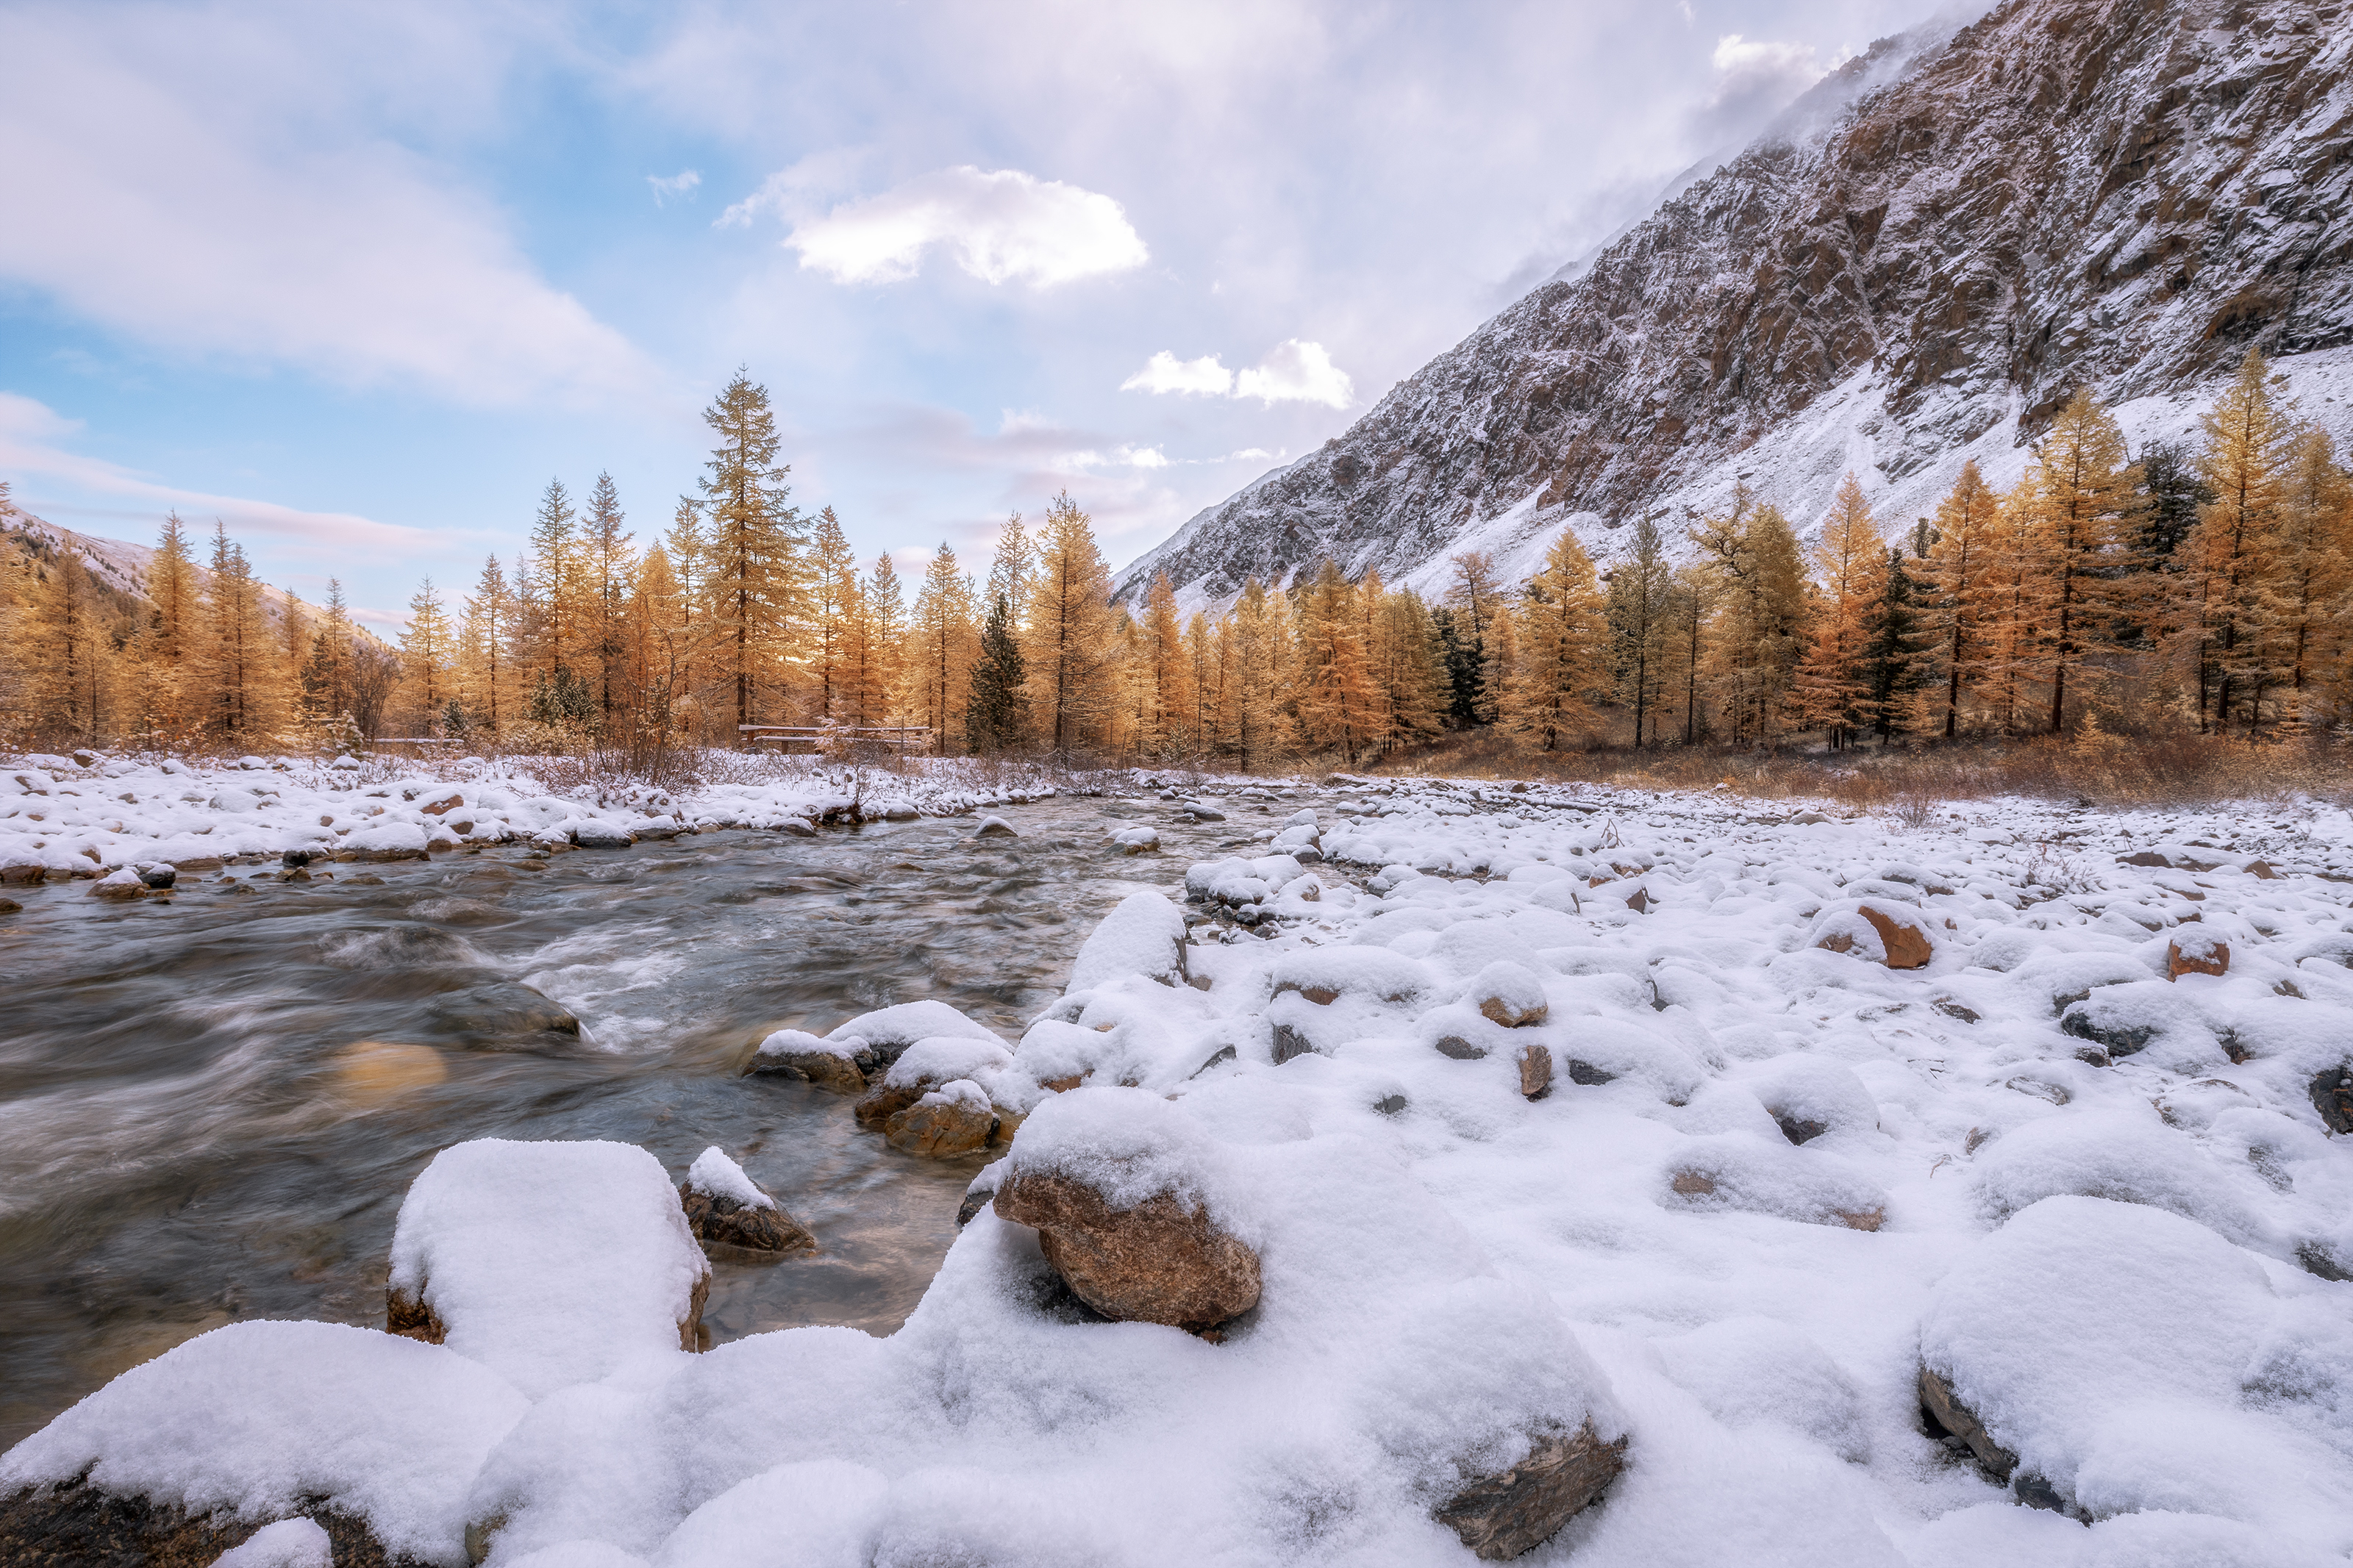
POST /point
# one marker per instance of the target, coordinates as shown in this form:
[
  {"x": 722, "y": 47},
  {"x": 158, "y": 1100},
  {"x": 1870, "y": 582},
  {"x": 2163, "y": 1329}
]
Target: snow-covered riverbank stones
[
  {"x": 547, "y": 1263},
  {"x": 1876, "y": 932},
  {"x": 2196, "y": 952},
  {"x": 1501, "y": 1516},
  {"x": 725, "y": 1207},
  {"x": 1126, "y": 1195}
]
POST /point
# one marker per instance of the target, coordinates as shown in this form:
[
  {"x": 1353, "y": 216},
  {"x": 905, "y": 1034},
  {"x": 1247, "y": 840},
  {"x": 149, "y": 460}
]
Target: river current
[{"x": 212, "y": 1104}]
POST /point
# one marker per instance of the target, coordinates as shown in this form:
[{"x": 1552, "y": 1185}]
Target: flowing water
[{"x": 211, "y": 1105}]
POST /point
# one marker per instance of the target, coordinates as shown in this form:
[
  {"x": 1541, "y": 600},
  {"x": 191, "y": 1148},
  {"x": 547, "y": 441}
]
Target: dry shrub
[{"x": 2159, "y": 769}]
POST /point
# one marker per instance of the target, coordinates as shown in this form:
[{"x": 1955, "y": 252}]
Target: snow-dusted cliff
[{"x": 2127, "y": 193}]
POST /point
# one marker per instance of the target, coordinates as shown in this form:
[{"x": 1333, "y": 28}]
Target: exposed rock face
[
  {"x": 2332, "y": 1095},
  {"x": 2067, "y": 191},
  {"x": 1162, "y": 1261},
  {"x": 2196, "y": 955},
  {"x": 1499, "y": 1517}
]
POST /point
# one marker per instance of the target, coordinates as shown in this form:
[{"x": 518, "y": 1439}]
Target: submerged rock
[
  {"x": 1501, "y": 1516},
  {"x": 1162, "y": 1261}
]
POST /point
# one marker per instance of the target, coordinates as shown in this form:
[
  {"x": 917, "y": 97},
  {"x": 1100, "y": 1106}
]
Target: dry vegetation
[{"x": 2106, "y": 770}]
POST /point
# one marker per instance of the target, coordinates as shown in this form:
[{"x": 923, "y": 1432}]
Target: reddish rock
[
  {"x": 1536, "y": 1071},
  {"x": 823, "y": 1069},
  {"x": 1162, "y": 1261},
  {"x": 1499, "y": 1517},
  {"x": 1908, "y": 945},
  {"x": 2205, "y": 955}
]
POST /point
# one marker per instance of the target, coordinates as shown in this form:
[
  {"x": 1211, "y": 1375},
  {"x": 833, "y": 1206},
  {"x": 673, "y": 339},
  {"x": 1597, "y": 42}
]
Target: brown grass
[{"x": 2175, "y": 770}]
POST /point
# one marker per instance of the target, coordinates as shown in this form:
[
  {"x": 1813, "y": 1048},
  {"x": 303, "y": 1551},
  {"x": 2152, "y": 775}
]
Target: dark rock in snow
[
  {"x": 1588, "y": 1074},
  {"x": 1162, "y": 1261},
  {"x": 1389, "y": 1104},
  {"x": 2121, "y": 1035},
  {"x": 1798, "y": 1130},
  {"x": 1499, "y": 1517},
  {"x": 1460, "y": 1049},
  {"x": 2332, "y": 1095},
  {"x": 1289, "y": 1042},
  {"x": 1945, "y": 1416},
  {"x": 79, "y": 1525}
]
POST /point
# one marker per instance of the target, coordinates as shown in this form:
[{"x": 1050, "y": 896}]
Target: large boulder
[
  {"x": 1503, "y": 1515},
  {"x": 725, "y": 1207},
  {"x": 549, "y": 1263},
  {"x": 1144, "y": 935},
  {"x": 1129, "y": 1200}
]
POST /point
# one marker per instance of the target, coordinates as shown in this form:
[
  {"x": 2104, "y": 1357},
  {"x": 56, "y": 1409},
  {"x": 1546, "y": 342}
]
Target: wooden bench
[{"x": 900, "y": 737}]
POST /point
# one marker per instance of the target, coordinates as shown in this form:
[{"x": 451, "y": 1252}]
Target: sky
[{"x": 358, "y": 281}]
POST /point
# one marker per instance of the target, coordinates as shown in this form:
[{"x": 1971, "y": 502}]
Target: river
[{"x": 211, "y": 1104}]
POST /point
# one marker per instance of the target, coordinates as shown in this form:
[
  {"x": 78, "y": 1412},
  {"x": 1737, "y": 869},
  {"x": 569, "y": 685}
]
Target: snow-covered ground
[
  {"x": 1771, "y": 1181},
  {"x": 61, "y": 817}
]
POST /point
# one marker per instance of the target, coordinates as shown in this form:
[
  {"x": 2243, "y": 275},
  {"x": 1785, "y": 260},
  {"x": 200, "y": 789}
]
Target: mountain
[{"x": 2124, "y": 192}]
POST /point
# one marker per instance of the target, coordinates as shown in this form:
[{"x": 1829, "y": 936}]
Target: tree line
[{"x": 2207, "y": 589}]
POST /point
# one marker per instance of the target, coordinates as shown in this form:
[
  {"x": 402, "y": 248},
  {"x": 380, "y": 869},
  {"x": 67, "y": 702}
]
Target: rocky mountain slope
[{"x": 2127, "y": 193}]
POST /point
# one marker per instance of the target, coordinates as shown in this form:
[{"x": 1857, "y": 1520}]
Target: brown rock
[
  {"x": 941, "y": 1128},
  {"x": 1068, "y": 1082},
  {"x": 885, "y": 1100},
  {"x": 1861, "y": 1219},
  {"x": 1908, "y": 945},
  {"x": 1639, "y": 901},
  {"x": 2261, "y": 871},
  {"x": 1695, "y": 1184},
  {"x": 22, "y": 874},
  {"x": 1948, "y": 1416},
  {"x": 2146, "y": 857},
  {"x": 1536, "y": 1071},
  {"x": 724, "y": 1222},
  {"x": 822, "y": 1069},
  {"x": 118, "y": 890},
  {"x": 1499, "y": 1517},
  {"x": 1496, "y": 1010},
  {"x": 2214, "y": 961},
  {"x": 1162, "y": 1261},
  {"x": 77, "y": 1525},
  {"x": 441, "y": 806}
]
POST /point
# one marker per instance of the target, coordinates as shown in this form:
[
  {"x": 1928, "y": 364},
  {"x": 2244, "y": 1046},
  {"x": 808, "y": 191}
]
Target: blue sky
[{"x": 360, "y": 281}]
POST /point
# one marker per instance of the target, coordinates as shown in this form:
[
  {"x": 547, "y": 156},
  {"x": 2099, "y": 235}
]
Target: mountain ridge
[{"x": 2064, "y": 192}]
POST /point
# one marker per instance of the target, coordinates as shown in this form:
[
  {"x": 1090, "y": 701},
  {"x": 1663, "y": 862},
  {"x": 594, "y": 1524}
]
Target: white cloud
[
  {"x": 31, "y": 442},
  {"x": 154, "y": 187},
  {"x": 1001, "y": 227},
  {"x": 1754, "y": 78},
  {"x": 1296, "y": 371},
  {"x": 681, "y": 184},
  {"x": 1164, "y": 372}
]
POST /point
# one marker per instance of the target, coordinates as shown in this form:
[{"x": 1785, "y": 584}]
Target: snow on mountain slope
[{"x": 2065, "y": 191}]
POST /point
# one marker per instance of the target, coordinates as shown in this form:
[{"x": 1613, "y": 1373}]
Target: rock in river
[{"x": 725, "y": 1207}]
